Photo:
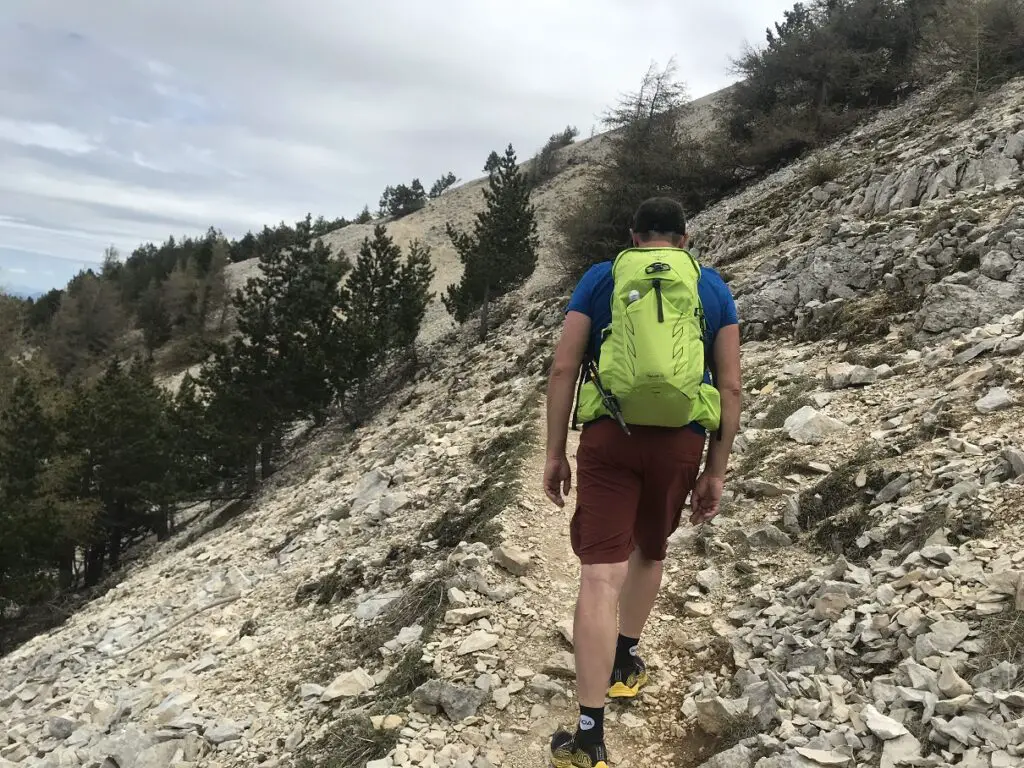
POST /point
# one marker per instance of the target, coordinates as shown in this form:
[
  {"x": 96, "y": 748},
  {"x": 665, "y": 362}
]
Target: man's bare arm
[
  {"x": 727, "y": 367},
  {"x": 562, "y": 380}
]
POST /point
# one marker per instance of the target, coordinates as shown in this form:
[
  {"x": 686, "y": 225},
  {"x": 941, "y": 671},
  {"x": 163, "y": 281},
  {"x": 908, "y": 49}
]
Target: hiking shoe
[
  {"x": 566, "y": 753},
  {"x": 627, "y": 681}
]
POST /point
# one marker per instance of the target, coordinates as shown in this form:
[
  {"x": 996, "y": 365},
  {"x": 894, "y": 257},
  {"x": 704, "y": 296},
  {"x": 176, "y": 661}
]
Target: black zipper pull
[{"x": 661, "y": 309}]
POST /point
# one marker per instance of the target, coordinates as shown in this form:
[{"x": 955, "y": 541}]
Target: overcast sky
[{"x": 125, "y": 121}]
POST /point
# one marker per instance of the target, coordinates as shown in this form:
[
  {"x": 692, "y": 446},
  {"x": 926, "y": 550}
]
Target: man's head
[{"x": 659, "y": 221}]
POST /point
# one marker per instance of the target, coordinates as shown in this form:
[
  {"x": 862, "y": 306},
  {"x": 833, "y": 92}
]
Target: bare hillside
[{"x": 459, "y": 205}]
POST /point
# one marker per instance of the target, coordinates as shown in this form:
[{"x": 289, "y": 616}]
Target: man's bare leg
[
  {"x": 594, "y": 629},
  {"x": 639, "y": 592}
]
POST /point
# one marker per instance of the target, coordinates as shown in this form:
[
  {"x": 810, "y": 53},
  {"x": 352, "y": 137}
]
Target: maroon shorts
[{"x": 631, "y": 489}]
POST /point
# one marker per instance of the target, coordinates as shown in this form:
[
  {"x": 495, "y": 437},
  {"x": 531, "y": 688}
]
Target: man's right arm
[{"x": 727, "y": 367}]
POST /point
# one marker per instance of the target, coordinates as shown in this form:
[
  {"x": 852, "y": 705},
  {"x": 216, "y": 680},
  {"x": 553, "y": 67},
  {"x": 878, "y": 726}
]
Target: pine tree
[
  {"x": 647, "y": 148},
  {"x": 153, "y": 318},
  {"x": 387, "y": 300},
  {"x": 501, "y": 254},
  {"x": 26, "y": 441},
  {"x": 284, "y": 364},
  {"x": 441, "y": 185},
  {"x": 87, "y": 325},
  {"x": 119, "y": 422}
]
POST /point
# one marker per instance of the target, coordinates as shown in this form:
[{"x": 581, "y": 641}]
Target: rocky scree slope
[
  {"x": 858, "y": 602},
  {"x": 924, "y": 213},
  {"x": 240, "y": 647}
]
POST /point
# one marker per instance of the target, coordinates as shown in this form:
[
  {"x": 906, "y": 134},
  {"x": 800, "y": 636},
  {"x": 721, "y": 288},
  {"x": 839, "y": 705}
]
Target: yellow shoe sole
[
  {"x": 623, "y": 691},
  {"x": 556, "y": 763}
]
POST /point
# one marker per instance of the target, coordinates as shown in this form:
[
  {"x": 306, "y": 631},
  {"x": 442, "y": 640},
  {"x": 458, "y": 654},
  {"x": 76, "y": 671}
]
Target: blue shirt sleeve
[
  {"x": 726, "y": 303},
  {"x": 582, "y": 299}
]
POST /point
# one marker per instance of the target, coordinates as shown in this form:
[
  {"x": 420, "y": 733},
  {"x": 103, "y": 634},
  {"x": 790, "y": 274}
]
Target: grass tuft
[
  {"x": 352, "y": 741},
  {"x": 424, "y": 604},
  {"x": 343, "y": 580},
  {"x": 404, "y": 678}
]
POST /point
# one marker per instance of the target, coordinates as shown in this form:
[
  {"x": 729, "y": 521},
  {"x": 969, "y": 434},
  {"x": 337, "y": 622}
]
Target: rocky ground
[{"x": 402, "y": 596}]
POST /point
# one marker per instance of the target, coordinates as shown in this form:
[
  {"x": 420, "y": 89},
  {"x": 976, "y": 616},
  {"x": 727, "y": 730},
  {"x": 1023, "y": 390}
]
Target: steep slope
[{"x": 859, "y": 602}]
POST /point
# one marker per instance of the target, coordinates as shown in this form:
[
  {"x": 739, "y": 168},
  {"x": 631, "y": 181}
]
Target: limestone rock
[
  {"x": 562, "y": 664},
  {"x": 512, "y": 559},
  {"x": 347, "y": 685},
  {"x": 810, "y": 427},
  {"x": 717, "y": 715},
  {"x": 458, "y": 702},
  {"x": 997, "y": 399},
  {"x": 769, "y": 537},
  {"x": 738, "y": 756},
  {"x": 882, "y": 726},
  {"x": 462, "y": 616},
  {"x": 902, "y": 750},
  {"x": 843, "y": 375},
  {"x": 478, "y": 641}
]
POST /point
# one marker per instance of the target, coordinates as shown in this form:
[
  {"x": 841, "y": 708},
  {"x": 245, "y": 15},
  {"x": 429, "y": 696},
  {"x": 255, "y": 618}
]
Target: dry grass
[
  {"x": 863, "y": 320},
  {"x": 1002, "y": 638},
  {"x": 343, "y": 580},
  {"x": 423, "y": 604},
  {"x": 404, "y": 678},
  {"x": 757, "y": 451},
  {"x": 351, "y": 742},
  {"x": 823, "y": 169},
  {"x": 698, "y": 746}
]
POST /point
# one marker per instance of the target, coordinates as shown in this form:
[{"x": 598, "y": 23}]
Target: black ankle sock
[
  {"x": 623, "y": 658},
  {"x": 590, "y": 728}
]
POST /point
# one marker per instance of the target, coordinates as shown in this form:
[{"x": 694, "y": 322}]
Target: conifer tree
[
  {"x": 501, "y": 253},
  {"x": 119, "y": 422},
  {"x": 86, "y": 326},
  {"x": 647, "y": 149},
  {"x": 283, "y": 364},
  {"x": 441, "y": 185},
  {"x": 26, "y": 441},
  {"x": 387, "y": 299}
]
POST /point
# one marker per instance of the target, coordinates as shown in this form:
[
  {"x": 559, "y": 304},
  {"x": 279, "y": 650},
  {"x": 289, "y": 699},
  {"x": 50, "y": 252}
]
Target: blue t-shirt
[{"x": 593, "y": 298}]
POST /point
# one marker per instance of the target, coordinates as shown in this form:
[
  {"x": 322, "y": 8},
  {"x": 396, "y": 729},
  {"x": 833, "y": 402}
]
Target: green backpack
[{"x": 652, "y": 361}]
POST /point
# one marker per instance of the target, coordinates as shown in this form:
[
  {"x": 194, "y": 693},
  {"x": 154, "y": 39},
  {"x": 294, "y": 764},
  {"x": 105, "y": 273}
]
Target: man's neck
[{"x": 657, "y": 244}]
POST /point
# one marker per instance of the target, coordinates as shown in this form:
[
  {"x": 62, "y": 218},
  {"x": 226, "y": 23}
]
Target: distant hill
[{"x": 21, "y": 291}]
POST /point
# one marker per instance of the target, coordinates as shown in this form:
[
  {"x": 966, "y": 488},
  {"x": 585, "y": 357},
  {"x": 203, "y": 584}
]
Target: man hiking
[{"x": 652, "y": 331}]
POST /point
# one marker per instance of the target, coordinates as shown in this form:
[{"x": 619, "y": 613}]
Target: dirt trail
[{"x": 636, "y": 732}]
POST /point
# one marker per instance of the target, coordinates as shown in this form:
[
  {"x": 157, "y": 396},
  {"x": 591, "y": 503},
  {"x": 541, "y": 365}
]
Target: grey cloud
[{"x": 239, "y": 114}]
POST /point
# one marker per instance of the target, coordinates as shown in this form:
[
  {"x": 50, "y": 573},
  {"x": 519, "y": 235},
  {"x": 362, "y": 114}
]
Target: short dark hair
[{"x": 659, "y": 214}]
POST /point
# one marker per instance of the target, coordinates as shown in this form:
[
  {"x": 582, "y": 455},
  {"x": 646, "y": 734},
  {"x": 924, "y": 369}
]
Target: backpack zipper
[{"x": 661, "y": 310}]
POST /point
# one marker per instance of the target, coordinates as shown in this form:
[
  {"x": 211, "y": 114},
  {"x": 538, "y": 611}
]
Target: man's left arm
[{"x": 561, "y": 392}]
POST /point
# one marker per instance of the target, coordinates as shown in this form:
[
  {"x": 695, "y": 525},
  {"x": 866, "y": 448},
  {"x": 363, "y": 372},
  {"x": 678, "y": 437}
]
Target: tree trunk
[
  {"x": 250, "y": 482},
  {"x": 94, "y": 563},
  {"x": 115, "y": 547},
  {"x": 483, "y": 311},
  {"x": 66, "y": 566},
  {"x": 266, "y": 458},
  {"x": 160, "y": 523}
]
